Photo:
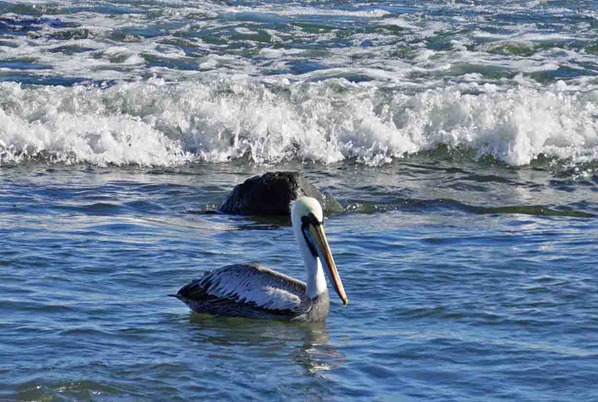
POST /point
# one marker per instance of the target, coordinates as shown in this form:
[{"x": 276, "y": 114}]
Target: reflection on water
[{"x": 307, "y": 344}]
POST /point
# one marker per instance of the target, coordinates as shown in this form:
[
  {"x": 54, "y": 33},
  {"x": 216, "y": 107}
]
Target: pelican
[{"x": 250, "y": 290}]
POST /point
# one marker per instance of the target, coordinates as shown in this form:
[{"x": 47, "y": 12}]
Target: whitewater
[{"x": 170, "y": 83}]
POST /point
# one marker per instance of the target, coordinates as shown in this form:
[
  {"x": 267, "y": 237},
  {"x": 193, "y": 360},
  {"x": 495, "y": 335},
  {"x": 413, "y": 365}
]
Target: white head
[{"x": 308, "y": 218}]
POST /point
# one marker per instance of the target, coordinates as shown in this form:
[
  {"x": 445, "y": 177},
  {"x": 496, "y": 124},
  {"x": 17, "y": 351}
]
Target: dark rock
[{"x": 272, "y": 193}]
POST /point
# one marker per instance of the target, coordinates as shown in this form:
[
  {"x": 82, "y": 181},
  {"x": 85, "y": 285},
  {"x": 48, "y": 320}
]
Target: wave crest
[{"x": 156, "y": 123}]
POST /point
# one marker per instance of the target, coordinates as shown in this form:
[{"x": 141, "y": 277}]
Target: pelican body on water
[{"x": 250, "y": 290}]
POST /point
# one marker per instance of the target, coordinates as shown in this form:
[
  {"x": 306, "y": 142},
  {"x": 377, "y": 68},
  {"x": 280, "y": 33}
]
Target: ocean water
[{"x": 461, "y": 138}]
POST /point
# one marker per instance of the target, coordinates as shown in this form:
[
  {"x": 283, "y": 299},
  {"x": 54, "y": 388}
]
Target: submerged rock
[{"x": 272, "y": 193}]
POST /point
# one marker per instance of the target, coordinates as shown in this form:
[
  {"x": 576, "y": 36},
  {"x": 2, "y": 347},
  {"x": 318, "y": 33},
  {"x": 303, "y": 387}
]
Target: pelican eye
[{"x": 310, "y": 220}]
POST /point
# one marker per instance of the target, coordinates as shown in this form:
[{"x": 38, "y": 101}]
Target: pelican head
[{"x": 308, "y": 219}]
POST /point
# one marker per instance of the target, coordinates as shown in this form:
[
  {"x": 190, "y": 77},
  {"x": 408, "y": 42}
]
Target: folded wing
[{"x": 251, "y": 285}]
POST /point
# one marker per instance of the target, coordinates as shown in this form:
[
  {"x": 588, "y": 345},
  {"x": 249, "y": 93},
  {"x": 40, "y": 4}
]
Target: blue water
[{"x": 461, "y": 140}]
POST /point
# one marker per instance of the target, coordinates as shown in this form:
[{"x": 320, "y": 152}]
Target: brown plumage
[{"x": 253, "y": 291}]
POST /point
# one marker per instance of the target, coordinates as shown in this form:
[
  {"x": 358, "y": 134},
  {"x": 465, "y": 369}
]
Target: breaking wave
[{"x": 153, "y": 122}]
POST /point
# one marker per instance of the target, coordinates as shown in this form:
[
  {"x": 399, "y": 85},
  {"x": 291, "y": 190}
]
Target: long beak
[{"x": 323, "y": 250}]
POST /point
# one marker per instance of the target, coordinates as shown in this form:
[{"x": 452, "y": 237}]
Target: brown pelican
[{"x": 248, "y": 290}]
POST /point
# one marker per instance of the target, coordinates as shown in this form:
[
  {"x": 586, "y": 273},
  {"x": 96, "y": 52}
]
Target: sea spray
[{"x": 157, "y": 123}]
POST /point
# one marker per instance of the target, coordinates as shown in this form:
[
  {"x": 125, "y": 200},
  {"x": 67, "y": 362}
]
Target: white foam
[
  {"x": 423, "y": 85},
  {"x": 95, "y": 58},
  {"x": 71, "y": 125},
  {"x": 155, "y": 123}
]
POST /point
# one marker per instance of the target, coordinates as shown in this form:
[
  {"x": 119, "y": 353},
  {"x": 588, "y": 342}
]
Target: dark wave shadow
[{"x": 439, "y": 204}]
